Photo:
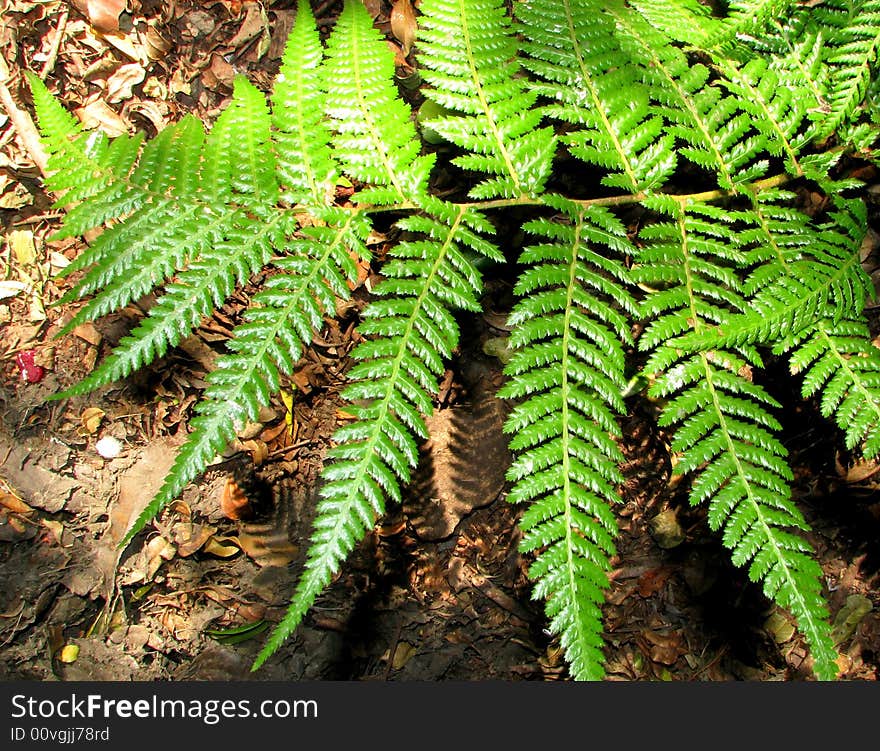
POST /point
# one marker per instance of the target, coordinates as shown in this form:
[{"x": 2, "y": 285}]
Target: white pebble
[{"x": 108, "y": 447}]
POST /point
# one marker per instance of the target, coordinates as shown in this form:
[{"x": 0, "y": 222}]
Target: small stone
[
  {"x": 109, "y": 447},
  {"x": 666, "y": 530}
]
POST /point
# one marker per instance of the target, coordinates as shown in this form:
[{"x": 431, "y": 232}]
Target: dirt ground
[{"x": 437, "y": 591}]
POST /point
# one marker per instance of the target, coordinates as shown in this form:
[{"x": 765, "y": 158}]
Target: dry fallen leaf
[
  {"x": 859, "y": 471},
  {"x": 190, "y": 538},
  {"x": 22, "y": 243},
  {"x": 234, "y": 502},
  {"x": 103, "y": 15},
  {"x": 14, "y": 503},
  {"x": 215, "y": 547},
  {"x": 403, "y": 24},
  {"x": 120, "y": 84},
  {"x": 374, "y": 8},
  {"x": 402, "y": 655},
  {"x": 99, "y": 114},
  {"x": 90, "y": 419}
]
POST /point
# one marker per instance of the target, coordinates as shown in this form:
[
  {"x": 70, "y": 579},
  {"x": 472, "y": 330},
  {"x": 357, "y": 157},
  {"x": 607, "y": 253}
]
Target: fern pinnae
[
  {"x": 778, "y": 108},
  {"x": 148, "y": 248},
  {"x": 715, "y": 131},
  {"x": 801, "y": 271},
  {"x": 567, "y": 369},
  {"x": 374, "y": 138},
  {"x": 725, "y": 437},
  {"x": 468, "y": 52},
  {"x": 391, "y": 389},
  {"x": 746, "y": 17},
  {"x": 265, "y": 345},
  {"x": 203, "y": 286},
  {"x": 305, "y": 163},
  {"x": 852, "y": 39},
  {"x": 590, "y": 83}
]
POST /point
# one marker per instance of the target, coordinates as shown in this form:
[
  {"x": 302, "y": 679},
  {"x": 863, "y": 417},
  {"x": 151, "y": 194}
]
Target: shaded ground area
[{"x": 437, "y": 591}]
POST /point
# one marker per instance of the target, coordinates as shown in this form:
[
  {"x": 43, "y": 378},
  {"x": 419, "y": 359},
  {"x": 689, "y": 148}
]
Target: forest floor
[{"x": 438, "y": 590}]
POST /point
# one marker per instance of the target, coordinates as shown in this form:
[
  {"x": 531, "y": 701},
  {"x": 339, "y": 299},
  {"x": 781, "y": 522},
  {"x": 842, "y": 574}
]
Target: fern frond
[
  {"x": 686, "y": 21},
  {"x": 568, "y": 337},
  {"x": 161, "y": 186},
  {"x": 777, "y": 105},
  {"x": 801, "y": 272},
  {"x": 82, "y": 165},
  {"x": 747, "y": 17},
  {"x": 795, "y": 47},
  {"x": 705, "y": 289},
  {"x": 268, "y": 343},
  {"x": 469, "y": 56},
  {"x": 202, "y": 287},
  {"x": 724, "y": 436},
  {"x": 391, "y": 388},
  {"x": 840, "y": 363},
  {"x": 715, "y": 131},
  {"x": 851, "y": 31},
  {"x": 573, "y": 49},
  {"x": 306, "y": 167},
  {"x": 374, "y": 140},
  {"x": 239, "y": 167}
]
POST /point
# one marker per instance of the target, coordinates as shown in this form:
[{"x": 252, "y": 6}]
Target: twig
[
  {"x": 56, "y": 44},
  {"x": 22, "y": 122}
]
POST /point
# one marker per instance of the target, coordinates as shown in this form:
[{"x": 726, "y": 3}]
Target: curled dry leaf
[
  {"x": 90, "y": 419},
  {"x": 215, "y": 547},
  {"x": 99, "y": 114},
  {"x": 234, "y": 502},
  {"x": 403, "y": 24},
  {"x": 14, "y": 503},
  {"x": 120, "y": 85},
  {"x": 191, "y": 537}
]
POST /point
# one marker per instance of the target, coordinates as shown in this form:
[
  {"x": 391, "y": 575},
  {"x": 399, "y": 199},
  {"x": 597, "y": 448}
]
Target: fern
[
  {"x": 569, "y": 371},
  {"x": 648, "y": 97},
  {"x": 723, "y": 431}
]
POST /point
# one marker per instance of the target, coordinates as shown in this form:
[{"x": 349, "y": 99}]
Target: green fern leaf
[
  {"x": 306, "y": 166},
  {"x": 267, "y": 344},
  {"x": 724, "y": 436},
  {"x": 468, "y": 51},
  {"x": 594, "y": 87},
  {"x": 746, "y": 17},
  {"x": 391, "y": 388},
  {"x": 715, "y": 131},
  {"x": 852, "y": 36},
  {"x": 801, "y": 272},
  {"x": 374, "y": 140},
  {"x": 686, "y": 21},
  {"x": 567, "y": 369},
  {"x": 203, "y": 286},
  {"x": 839, "y": 362}
]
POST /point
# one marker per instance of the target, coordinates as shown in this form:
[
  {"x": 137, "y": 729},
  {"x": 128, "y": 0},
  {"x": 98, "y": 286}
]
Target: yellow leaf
[
  {"x": 22, "y": 243},
  {"x": 91, "y": 419},
  {"x": 214, "y": 547},
  {"x": 287, "y": 398},
  {"x": 69, "y": 653}
]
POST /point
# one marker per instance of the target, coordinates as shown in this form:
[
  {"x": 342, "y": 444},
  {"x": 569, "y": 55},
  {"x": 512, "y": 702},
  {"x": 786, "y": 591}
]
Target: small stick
[
  {"x": 56, "y": 44},
  {"x": 22, "y": 122}
]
